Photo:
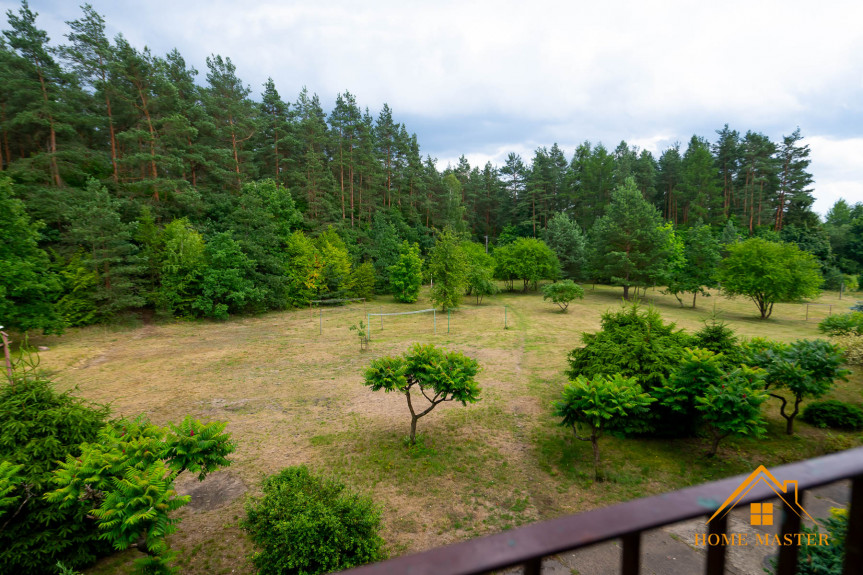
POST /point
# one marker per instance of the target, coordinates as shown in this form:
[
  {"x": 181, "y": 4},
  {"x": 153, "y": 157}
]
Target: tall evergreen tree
[
  {"x": 629, "y": 244},
  {"x": 232, "y": 118},
  {"x": 41, "y": 96},
  {"x": 794, "y": 195}
]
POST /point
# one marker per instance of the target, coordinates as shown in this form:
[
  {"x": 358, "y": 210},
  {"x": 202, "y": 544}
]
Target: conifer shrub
[
  {"x": 833, "y": 414},
  {"x": 39, "y": 427},
  {"x": 305, "y": 524}
]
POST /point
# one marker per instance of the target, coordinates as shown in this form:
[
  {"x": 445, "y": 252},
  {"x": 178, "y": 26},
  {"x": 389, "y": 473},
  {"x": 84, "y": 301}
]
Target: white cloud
[{"x": 838, "y": 170}]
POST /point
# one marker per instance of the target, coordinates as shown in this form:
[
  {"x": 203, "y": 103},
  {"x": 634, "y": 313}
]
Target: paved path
[{"x": 671, "y": 550}]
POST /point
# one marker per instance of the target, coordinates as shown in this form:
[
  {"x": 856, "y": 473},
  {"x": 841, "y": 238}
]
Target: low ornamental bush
[
  {"x": 834, "y": 414},
  {"x": 843, "y": 324},
  {"x": 305, "y": 524}
]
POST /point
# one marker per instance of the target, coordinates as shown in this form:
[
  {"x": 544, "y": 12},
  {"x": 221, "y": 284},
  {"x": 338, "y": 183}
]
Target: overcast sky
[{"x": 487, "y": 78}]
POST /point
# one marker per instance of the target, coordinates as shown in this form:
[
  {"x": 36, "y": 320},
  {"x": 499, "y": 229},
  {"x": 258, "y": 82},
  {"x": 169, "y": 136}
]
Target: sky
[{"x": 483, "y": 79}]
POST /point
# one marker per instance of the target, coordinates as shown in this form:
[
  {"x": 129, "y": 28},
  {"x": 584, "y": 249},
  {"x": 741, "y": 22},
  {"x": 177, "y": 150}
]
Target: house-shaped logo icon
[{"x": 762, "y": 513}]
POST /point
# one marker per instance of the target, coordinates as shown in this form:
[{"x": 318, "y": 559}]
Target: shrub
[
  {"x": 717, "y": 337},
  {"x": 38, "y": 427},
  {"x": 843, "y": 324},
  {"x": 307, "y": 524},
  {"x": 633, "y": 343},
  {"x": 852, "y": 348},
  {"x": 823, "y": 559},
  {"x": 834, "y": 414},
  {"x": 562, "y": 293}
]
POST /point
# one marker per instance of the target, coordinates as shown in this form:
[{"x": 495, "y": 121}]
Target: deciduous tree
[
  {"x": 439, "y": 375},
  {"x": 769, "y": 272},
  {"x": 590, "y": 406}
]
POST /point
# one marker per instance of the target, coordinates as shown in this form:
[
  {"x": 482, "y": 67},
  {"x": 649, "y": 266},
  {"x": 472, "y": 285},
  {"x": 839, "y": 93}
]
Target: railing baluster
[
  {"x": 854, "y": 536},
  {"x": 716, "y": 553},
  {"x": 631, "y": 553},
  {"x": 533, "y": 567},
  {"x": 788, "y": 553}
]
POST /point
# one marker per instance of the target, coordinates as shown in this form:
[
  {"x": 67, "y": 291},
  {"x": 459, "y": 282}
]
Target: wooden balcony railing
[{"x": 527, "y": 546}]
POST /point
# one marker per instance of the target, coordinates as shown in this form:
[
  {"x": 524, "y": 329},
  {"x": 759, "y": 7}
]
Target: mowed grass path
[{"x": 290, "y": 387}]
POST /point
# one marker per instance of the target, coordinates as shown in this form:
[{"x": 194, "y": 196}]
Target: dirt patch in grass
[{"x": 214, "y": 492}]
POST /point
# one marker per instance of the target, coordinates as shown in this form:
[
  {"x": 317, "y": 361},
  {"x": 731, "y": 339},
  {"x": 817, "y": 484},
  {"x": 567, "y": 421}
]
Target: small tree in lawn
[
  {"x": 806, "y": 368},
  {"x": 589, "y": 406},
  {"x": 406, "y": 275},
  {"x": 769, "y": 272},
  {"x": 733, "y": 406},
  {"x": 562, "y": 293},
  {"x": 363, "y": 333},
  {"x": 439, "y": 375}
]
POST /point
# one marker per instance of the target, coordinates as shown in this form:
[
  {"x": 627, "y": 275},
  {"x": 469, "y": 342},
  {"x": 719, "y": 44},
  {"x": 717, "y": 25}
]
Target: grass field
[{"x": 290, "y": 387}]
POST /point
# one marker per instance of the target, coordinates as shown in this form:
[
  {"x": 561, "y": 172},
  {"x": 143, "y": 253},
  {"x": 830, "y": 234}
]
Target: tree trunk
[
  {"x": 110, "y": 122},
  {"x": 714, "y": 445},
  {"x": 694, "y": 295},
  {"x": 626, "y": 292},
  {"x": 55, "y": 171},
  {"x": 594, "y": 441},
  {"x": 236, "y": 155},
  {"x": 414, "y": 419},
  {"x": 5, "y": 134}
]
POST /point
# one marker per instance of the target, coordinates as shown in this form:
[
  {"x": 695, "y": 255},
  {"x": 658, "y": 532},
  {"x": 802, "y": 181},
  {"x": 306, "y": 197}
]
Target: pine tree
[
  {"x": 794, "y": 194},
  {"x": 727, "y": 153},
  {"x": 91, "y": 56},
  {"x": 231, "y": 113},
  {"x": 629, "y": 243},
  {"x": 669, "y": 180},
  {"x": 699, "y": 183},
  {"x": 41, "y": 94},
  {"x": 96, "y": 226}
]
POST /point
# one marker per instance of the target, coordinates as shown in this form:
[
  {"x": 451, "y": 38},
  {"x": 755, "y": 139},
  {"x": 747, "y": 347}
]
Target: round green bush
[
  {"x": 833, "y": 414},
  {"x": 305, "y": 525}
]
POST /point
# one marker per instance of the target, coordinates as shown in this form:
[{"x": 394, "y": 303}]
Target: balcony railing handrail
[{"x": 545, "y": 538}]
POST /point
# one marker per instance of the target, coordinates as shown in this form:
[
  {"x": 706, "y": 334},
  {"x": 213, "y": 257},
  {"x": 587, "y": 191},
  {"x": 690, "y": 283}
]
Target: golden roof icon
[{"x": 783, "y": 491}]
